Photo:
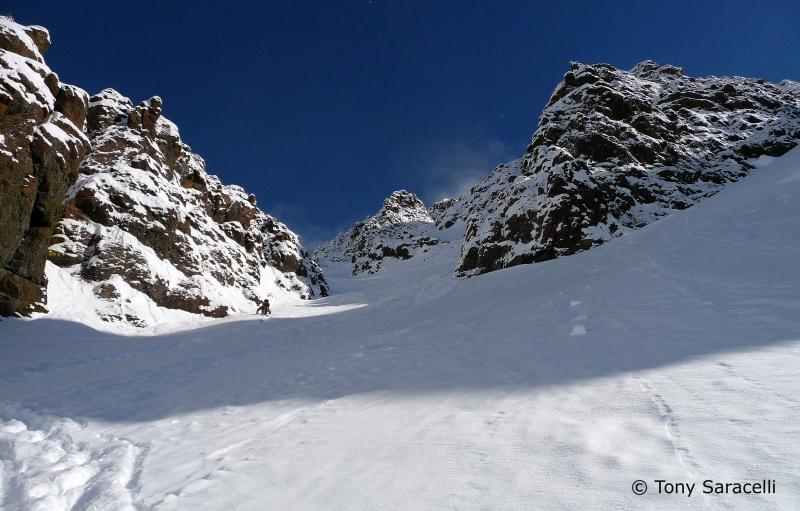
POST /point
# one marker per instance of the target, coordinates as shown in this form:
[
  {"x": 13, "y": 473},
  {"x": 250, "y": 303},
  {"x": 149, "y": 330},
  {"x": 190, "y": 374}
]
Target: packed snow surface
[{"x": 671, "y": 353}]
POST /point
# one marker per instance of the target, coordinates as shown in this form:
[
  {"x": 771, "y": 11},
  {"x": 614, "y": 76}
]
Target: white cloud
[{"x": 455, "y": 168}]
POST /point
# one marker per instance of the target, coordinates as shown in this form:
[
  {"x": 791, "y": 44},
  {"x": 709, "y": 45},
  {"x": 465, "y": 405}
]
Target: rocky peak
[
  {"x": 107, "y": 107},
  {"x": 400, "y": 208},
  {"x": 400, "y": 229},
  {"x": 649, "y": 70},
  {"x": 615, "y": 150},
  {"x": 30, "y": 42},
  {"x": 145, "y": 115}
]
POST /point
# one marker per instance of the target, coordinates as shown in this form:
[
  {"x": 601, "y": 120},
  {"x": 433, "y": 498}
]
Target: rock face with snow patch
[
  {"x": 145, "y": 210},
  {"x": 400, "y": 229},
  {"x": 614, "y": 151},
  {"x": 41, "y": 145}
]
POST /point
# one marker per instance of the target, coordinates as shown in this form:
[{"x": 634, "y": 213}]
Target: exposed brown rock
[
  {"x": 107, "y": 291},
  {"x": 41, "y": 149},
  {"x": 106, "y": 108},
  {"x": 40, "y": 37},
  {"x": 19, "y": 295},
  {"x": 146, "y": 114},
  {"x": 73, "y": 103},
  {"x": 29, "y": 42}
]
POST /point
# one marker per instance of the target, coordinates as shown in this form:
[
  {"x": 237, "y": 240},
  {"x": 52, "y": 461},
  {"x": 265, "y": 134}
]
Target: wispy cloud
[
  {"x": 446, "y": 170},
  {"x": 454, "y": 168}
]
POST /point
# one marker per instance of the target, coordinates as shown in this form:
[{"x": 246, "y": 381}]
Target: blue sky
[{"x": 322, "y": 109}]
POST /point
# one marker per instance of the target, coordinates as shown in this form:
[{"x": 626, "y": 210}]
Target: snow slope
[{"x": 670, "y": 353}]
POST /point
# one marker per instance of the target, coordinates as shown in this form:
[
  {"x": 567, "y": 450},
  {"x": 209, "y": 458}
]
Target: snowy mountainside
[
  {"x": 145, "y": 212},
  {"x": 403, "y": 227},
  {"x": 614, "y": 151},
  {"x": 41, "y": 145}
]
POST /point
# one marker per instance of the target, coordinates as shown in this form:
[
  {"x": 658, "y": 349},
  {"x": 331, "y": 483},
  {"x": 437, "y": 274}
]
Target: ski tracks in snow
[{"x": 664, "y": 413}]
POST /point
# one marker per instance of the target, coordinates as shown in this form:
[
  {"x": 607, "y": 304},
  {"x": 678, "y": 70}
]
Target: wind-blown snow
[{"x": 670, "y": 353}]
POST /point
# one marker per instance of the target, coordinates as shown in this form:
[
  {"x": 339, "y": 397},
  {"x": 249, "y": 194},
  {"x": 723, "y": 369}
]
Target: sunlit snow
[{"x": 671, "y": 353}]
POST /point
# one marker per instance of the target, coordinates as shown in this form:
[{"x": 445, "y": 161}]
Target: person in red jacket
[{"x": 264, "y": 308}]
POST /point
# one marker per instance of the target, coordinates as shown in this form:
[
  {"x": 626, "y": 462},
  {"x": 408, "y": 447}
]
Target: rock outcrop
[
  {"x": 41, "y": 145},
  {"x": 614, "y": 151},
  {"x": 400, "y": 229},
  {"x": 144, "y": 209}
]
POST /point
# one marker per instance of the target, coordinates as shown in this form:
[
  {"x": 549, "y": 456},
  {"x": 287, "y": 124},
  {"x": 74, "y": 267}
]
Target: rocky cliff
[
  {"x": 615, "y": 150},
  {"x": 41, "y": 145},
  {"x": 107, "y": 191},
  {"x": 145, "y": 214}
]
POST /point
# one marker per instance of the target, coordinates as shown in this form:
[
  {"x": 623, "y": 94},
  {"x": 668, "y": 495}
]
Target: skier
[{"x": 264, "y": 308}]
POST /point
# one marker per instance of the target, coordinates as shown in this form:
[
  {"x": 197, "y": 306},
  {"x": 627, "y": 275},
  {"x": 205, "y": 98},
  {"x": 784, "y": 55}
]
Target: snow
[
  {"x": 761, "y": 161},
  {"x": 13, "y": 31},
  {"x": 411, "y": 389},
  {"x": 77, "y": 301},
  {"x": 26, "y": 78}
]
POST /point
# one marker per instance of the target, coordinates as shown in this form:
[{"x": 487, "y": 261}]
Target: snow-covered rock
[
  {"x": 402, "y": 228},
  {"x": 614, "y": 151},
  {"x": 108, "y": 192},
  {"x": 144, "y": 210},
  {"x": 41, "y": 145}
]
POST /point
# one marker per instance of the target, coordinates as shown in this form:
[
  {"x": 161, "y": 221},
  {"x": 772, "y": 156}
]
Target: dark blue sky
[{"x": 322, "y": 109}]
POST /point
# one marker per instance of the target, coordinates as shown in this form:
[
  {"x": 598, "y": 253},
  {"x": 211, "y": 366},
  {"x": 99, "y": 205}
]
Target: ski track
[{"x": 670, "y": 353}]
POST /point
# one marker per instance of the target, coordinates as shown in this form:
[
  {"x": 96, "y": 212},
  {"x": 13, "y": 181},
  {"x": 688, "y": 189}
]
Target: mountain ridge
[
  {"x": 615, "y": 150},
  {"x": 110, "y": 195},
  {"x": 402, "y": 227}
]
